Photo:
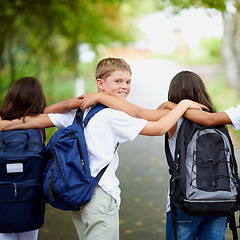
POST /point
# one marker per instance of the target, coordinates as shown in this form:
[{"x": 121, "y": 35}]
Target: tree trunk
[{"x": 231, "y": 49}]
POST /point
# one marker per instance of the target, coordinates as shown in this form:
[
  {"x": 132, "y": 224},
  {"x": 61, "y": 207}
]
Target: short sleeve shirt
[
  {"x": 105, "y": 130},
  {"x": 234, "y": 114}
]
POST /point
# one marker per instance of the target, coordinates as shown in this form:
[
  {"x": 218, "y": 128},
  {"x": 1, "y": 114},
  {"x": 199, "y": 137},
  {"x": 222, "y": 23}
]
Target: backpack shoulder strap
[
  {"x": 168, "y": 154},
  {"x": 93, "y": 111},
  {"x": 98, "y": 107},
  {"x": 79, "y": 114},
  {"x": 233, "y": 227}
]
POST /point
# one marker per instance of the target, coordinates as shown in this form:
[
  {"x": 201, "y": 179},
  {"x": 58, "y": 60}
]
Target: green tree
[
  {"x": 230, "y": 10},
  {"x": 46, "y": 34}
]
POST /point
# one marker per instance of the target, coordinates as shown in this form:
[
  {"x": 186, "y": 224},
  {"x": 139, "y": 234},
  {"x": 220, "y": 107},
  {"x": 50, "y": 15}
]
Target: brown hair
[
  {"x": 108, "y": 65},
  {"x": 24, "y": 98},
  {"x": 188, "y": 85}
]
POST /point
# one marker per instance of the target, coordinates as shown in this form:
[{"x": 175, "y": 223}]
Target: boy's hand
[
  {"x": 192, "y": 104},
  {"x": 88, "y": 99},
  {"x": 9, "y": 124}
]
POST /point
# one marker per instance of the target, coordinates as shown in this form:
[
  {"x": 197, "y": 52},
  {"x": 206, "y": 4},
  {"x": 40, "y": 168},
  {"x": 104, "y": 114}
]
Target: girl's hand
[{"x": 88, "y": 99}]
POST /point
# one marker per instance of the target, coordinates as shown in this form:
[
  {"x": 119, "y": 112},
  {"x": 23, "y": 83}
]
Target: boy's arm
[
  {"x": 64, "y": 106},
  {"x": 39, "y": 121},
  {"x": 164, "y": 124},
  {"x": 207, "y": 118},
  {"x": 201, "y": 117},
  {"x": 121, "y": 105}
]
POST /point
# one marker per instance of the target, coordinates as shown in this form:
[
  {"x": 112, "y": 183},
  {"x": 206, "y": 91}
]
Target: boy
[{"x": 99, "y": 218}]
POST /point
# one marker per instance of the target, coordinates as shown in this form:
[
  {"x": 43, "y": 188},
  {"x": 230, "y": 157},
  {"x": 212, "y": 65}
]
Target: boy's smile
[{"x": 117, "y": 84}]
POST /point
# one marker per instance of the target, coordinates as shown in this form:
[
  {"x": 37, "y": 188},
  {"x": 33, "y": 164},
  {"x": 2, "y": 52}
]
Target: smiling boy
[{"x": 99, "y": 218}]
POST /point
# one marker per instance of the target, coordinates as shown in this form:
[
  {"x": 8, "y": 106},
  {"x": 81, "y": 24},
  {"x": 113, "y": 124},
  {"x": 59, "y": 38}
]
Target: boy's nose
[{"x": 125, "y": 85}]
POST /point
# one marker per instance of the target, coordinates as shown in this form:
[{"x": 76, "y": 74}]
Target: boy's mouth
[{"x": 123, "y": 93}]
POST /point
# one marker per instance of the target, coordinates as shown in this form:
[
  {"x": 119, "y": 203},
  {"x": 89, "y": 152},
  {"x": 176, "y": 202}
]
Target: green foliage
[
  {"x": 48, "y": 33},
  {"x": 185, "y": 4},
  {"x": 56, "y": 92},
  {"x": 220, "y": 91},
  {"x": 88, "y": 74},
  {"x": 212, "y": 46},
  {"x": 209, "y": 52}
]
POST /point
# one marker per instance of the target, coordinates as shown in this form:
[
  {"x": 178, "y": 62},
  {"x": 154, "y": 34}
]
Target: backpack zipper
[
  {"x": 209, "y": 201},
  {"x": 16, "y": 185},
  {"x": 210, "y": 165},
  {"x": 58, "y": 166},
  {"x": 15, "y": 189}
]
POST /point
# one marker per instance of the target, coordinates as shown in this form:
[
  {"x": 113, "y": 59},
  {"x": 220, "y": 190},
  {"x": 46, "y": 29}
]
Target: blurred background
[{"x": 60, "y": 42}]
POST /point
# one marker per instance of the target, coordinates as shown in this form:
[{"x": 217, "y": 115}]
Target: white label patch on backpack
[{"x": 14, "y": 167}]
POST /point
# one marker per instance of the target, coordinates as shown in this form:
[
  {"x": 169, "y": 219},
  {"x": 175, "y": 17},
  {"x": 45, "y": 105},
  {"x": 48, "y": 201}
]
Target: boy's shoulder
[
  {"x": 113, "y": 114},
  {"x": 61, "y": 120}
]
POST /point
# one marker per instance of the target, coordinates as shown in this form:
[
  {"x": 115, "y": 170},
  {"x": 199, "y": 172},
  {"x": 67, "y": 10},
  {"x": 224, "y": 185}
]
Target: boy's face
[{"x": 117, "y": 84}]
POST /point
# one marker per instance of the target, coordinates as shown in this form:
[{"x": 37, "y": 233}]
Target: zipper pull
[
  {"x": 15, "y": 189},
  {"x": 83, "y": 165}
]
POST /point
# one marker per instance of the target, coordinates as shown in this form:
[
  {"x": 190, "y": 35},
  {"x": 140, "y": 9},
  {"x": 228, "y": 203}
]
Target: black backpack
[
  {"x": 204, "y": 174},
  {"x": 22, "y": 203}
]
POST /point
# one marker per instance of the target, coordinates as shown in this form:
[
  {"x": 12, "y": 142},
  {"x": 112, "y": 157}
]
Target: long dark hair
[
  {"x": 24, "y": 98},
  {"x": 188, "y": 85}
]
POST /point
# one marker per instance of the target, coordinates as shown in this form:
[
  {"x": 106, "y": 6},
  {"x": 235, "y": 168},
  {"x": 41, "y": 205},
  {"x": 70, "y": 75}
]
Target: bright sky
[{"x": 194, "y": 23}]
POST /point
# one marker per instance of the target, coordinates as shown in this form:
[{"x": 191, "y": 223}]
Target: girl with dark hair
[
  {"x": 188, "y": 85},
  {"x": 25, "y": 98}
]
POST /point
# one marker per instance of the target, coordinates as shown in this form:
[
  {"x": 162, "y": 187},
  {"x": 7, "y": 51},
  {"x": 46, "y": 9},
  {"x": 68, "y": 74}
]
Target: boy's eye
[{"x": 129, "y": 82}]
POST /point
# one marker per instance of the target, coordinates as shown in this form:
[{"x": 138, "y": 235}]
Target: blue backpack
[
  {"x": 68, "y": 183},
  {"x": 22, "y": 203}
]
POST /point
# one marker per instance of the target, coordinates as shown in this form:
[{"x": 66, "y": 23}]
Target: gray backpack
[{"x": 204, "y": 173}]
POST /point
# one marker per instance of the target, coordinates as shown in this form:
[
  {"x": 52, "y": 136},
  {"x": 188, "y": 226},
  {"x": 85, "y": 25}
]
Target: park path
[{"x": 143, "y": 170}]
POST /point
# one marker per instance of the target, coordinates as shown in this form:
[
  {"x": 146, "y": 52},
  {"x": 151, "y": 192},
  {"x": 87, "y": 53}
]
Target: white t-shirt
[
  {"x": 234, "y": 115},
  {"x": 105, "y": 130}
]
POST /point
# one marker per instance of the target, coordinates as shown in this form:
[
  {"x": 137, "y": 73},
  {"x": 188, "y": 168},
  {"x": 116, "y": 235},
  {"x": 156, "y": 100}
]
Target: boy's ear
[{"x": 100, "y": 84}]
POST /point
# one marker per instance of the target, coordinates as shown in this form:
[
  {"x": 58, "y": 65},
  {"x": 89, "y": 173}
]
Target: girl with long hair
[{"x": 25, "y": 98}]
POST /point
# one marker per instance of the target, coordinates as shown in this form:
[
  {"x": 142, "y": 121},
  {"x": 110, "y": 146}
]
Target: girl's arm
[
  {"x": 64, "y": 106},
  {"x": 164, "y": 124},
  {"x": 40, "y": 121},
  {"x": 121, "y": 105}
]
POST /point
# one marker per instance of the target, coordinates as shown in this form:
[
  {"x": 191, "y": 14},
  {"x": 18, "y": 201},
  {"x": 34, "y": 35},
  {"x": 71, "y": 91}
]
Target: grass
[
  {"x": 220, "y": 92},
  {"x": 223, "y": 97}
]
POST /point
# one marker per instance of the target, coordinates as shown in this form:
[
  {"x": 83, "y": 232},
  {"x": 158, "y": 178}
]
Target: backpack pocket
[
  {"x": 212, "y": 160},
  {"x": 22, "y": 206}
]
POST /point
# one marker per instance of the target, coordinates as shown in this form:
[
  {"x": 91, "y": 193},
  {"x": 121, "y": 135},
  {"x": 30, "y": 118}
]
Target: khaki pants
[{"x": 98, "y": 219}]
